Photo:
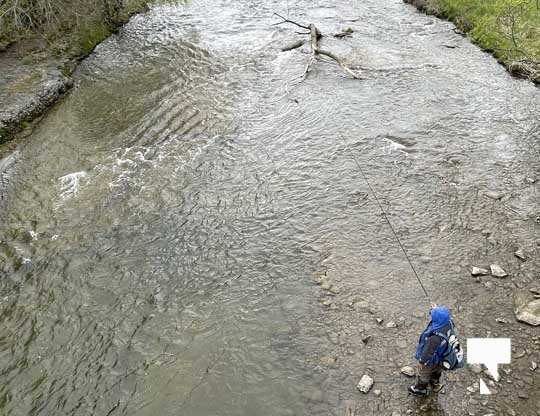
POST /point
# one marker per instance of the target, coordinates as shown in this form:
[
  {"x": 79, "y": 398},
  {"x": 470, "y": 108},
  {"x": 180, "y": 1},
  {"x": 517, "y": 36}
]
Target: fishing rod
[{"x": 392, "y": 228}]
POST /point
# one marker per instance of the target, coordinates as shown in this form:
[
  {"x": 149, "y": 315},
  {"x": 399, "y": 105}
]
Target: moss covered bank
[{"x": 508, "y": 29}]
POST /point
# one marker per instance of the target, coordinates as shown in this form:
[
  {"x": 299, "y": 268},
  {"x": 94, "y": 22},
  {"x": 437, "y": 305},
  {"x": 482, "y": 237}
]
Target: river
[{"x": 164, "y": 226}]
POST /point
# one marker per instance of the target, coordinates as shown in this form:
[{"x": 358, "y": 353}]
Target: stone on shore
[
  {"x": 475, "y": 368},
  {"x": 408, "y": 371},
  {"x": 526, "y": 308},
  {"x": 478, "y": 271},
  {"x": 497, "y": 271},
  {"x": 365, "y": 384}
]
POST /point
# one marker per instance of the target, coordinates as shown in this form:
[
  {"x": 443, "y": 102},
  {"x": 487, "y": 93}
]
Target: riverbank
[
  {"x": 38, "y": 59},
  {"x": 509, "y": 30}
]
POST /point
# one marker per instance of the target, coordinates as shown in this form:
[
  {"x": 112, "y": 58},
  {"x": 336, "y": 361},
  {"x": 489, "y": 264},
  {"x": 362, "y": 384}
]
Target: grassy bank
[
  {"x": 69, "y": 28},
  {"x": 509, "y": 29}
]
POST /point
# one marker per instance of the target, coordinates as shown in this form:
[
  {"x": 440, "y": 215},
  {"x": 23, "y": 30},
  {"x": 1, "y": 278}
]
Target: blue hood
[{"x": 440, "y": 317}]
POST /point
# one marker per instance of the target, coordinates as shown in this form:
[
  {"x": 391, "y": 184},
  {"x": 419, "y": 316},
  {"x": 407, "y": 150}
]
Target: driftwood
[
  {"x": 315, "y": 36},
  {"x": 293, "y": 45},
  {"x": 344, "y": 33}
]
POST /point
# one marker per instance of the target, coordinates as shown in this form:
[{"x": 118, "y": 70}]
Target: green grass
[{"x": 510, "y": 29}]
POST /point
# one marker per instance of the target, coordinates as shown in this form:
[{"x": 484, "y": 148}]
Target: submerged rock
[
  {"x": 408, "y": 371},
  {"x": 526, "y": 308},
  {"x": 328, "y": 360},
  {"x": 478, "y": 271},
  {"x": 520, "y": 254},
  {"x": 365, "y": 384},
  {"x": 497, "y": 271},
  {"x": 493, "y": 194}
]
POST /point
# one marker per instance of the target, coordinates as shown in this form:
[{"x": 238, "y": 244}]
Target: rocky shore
[{"x": 26, "y": 91}]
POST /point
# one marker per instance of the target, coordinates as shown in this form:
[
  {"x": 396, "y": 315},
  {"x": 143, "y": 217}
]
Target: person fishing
[{"x": 438, "y": 349}]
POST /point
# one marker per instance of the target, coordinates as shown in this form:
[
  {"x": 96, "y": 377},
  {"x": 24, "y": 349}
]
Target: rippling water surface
[{"x": 162, "y": 226}]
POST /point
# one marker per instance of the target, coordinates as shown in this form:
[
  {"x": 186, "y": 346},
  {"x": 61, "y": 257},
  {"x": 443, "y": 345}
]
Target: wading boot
[{"x": 418, "y": 389}]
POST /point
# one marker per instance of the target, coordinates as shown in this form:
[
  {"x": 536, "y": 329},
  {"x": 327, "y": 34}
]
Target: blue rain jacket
[{"x": 440, "y": 323}]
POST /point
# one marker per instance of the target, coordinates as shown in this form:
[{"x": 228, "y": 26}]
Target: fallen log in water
[
  {"x": 315, "y": 36},
  {"x": 293, "y": 45}
]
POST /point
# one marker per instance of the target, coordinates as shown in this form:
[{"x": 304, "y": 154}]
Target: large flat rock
[{"x": 27, "y": 90}]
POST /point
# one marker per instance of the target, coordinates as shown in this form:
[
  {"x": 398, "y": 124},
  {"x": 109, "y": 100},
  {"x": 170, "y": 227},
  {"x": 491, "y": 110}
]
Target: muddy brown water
[{"x": 164, "y": 225}]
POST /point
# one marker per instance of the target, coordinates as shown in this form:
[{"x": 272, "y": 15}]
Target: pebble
[
  {"x": 377, "y": 392},
  {"x": 365, "y": 384},
  {"x": 520, "y": 254},
  {"x": 478, "y": 271},
  {"x": 525, "y": 309},
  {"x": 493, "y": 377},
  {"x": 530, "y": 180},
  {"x": 366, "y": 339},
  {"x": 475, "y": 368},
  {"x": 497, "y": 271},
  {"x": 380, "y": 321},
  {"x": 534, "y": 365},
  {"x": 391, "y": 324},
  {"x": 408, "y": 371},
  {"x": 520, "y": 354}
]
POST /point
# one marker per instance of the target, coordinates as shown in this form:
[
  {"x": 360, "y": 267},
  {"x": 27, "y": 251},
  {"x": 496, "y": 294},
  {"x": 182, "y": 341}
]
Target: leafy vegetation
[{"x": 510, "y": 29}]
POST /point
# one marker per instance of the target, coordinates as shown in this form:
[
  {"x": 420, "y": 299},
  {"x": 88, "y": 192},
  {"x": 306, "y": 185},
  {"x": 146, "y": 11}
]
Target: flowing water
[{"x": 162, "y": 227}]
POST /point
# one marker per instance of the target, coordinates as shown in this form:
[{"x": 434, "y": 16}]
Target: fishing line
[{"x": 392, "y": 228}]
